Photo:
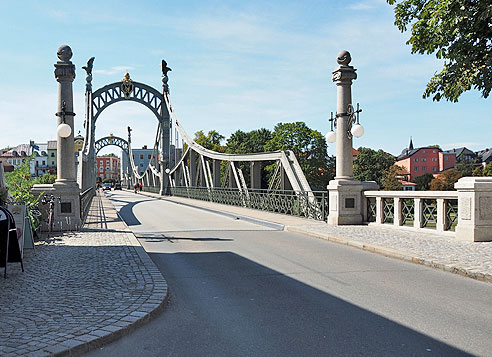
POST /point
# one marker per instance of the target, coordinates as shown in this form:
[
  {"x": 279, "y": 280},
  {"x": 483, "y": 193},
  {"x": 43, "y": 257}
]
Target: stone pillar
[
  {"x": 67, "y": 208},
  {"x": 345, "y": 193},
  {"x": 474, "y": 209},
  {"x": 65, "y": 74}
]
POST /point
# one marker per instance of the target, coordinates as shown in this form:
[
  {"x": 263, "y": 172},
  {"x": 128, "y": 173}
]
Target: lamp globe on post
[
  {"x": 64, "y": 130},
  {"x": 357, "y": 130},
  {"x": 331, "y": 136}
]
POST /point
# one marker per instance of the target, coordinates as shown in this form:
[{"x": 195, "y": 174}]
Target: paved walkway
[
  {"x": 79, "y": 290},
  {"x": 471, "y": 259}
]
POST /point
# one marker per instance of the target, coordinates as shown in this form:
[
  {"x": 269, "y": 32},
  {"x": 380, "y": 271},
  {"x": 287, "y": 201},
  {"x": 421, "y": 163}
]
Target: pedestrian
[
  {"x": 135, "y": 187},
  {"x": 140, "y": 186}
]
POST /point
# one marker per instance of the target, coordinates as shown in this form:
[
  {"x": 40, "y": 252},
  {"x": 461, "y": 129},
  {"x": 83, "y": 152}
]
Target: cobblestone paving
[
  {"x": 434, "y": 249},
  {"x": 78, "y": 289}
]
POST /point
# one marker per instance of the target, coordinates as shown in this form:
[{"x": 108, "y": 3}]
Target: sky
[{"x": 235, "y": 65}]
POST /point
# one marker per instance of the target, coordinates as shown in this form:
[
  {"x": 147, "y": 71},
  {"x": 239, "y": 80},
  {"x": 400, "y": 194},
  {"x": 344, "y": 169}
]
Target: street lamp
[
  {"x": 353, "y": 118},
  {"x": 64, "y": 130}
]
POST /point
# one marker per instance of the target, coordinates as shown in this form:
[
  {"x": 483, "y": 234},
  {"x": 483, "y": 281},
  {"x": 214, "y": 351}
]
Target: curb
[
  {"x": 159, "y": 282},
  {"x": 388, "y": 252}
]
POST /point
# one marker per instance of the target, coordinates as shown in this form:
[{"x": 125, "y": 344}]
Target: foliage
[
  {"x": 390, "y": 179},
  {"x": 44, "y": 179},
  {"x": 423, "y": 181},
  {"x": 434, "y": 146},
  {"x": 3, "y": 196},
  {"x": 458, "y": 32},
  {"x": 309, "y": 147},
  {"x": 19, "y": 185},
  {"x": 445, "y": 181},
  {"x": 241, "y": 142},
  {"x": 369, "y": 165},
  {"x": 465, "y": 167},
  {"x": 483, "y": 171},
  {"x": 210, "y": 141}
]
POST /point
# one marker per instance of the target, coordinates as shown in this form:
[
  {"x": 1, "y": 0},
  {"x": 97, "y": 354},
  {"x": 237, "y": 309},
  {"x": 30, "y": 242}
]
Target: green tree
[
  {"x": 445, "y": 181},
  {"x": 423, "y": 181},
  {"x": 478, "y": 171},
  {"x": 390, "y": 179},
  {"x": 465, "y": 167},
  {"x": 210, "y": 141},
  {"x": 487, "y": 171},
  {"x": 308, "y": 145},
  {"x": 241, "y": 142},
  {"x": 19, "y": 184},
  {"x": 370, "y": 164},
  {"x": 458, "y": 32}
]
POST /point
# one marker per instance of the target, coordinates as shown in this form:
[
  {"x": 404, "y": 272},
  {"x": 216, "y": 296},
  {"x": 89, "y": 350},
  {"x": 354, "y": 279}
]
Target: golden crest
[{"x": 127, "y": 85}]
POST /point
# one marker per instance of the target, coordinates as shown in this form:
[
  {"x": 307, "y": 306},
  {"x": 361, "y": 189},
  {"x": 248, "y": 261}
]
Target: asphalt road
[{"x": 240, "y": 289}]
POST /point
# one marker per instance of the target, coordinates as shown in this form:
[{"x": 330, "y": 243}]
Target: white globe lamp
[
  {"x": 64, "y": 130},
  {"x": 357, "y": 130},
  {"x": 331, "y": 136}
]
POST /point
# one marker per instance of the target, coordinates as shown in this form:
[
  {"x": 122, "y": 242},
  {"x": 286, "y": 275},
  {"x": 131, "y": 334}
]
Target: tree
[
  {"x": 310, "y": 149},
  {"x": 241, "y": 142},
  {"x": 445, "y": 181},
  {"x": 370, "y": 164},
  {"x": 390, "y": 179},
  {"x": 487, "y": 171},
  {"x": 210, "y": 141},
  {"x": 423, "y": 181},
  {"x": 457, "y": 31},
  {"x": 19, "y": 184},
  {"x": 465, "y": 167}
]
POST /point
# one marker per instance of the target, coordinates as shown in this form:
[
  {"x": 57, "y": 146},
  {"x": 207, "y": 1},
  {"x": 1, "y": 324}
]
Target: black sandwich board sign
[{"x": 9, "y": 244}]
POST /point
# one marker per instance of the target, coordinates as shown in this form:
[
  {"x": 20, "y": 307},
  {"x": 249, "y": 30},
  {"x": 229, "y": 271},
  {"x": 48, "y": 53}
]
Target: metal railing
[
  {"x": 437, "y": 210},
  {"x": 85, "y": 201},
  {"x": 312, "y": 204}
]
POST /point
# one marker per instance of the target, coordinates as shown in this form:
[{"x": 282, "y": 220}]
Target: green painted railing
[{"x": 312, "y": 204}]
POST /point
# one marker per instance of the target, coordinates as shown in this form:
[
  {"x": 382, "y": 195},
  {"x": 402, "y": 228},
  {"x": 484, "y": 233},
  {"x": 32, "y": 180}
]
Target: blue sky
[{"x": 235, "y": 65}]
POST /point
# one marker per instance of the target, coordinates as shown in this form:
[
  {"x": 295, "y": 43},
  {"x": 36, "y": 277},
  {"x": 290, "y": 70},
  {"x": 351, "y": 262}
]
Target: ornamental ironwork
[
  {"x": 371, "y": 209},
  {"x": 111, "y": 140},
  {"x": 451, "y": 207},
  {"x": 388, "y": 210},
  {"x": 407, "y": 212},
  {"x": 429, "y": 213},
  {"x": 127, "y": 85}
]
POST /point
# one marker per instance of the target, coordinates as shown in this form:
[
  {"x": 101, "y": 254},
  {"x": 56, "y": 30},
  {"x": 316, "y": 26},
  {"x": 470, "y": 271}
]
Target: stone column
[
  {"x": 345, "y": 193},
  {"x": 65, "y": 74},
  {"x": 474, "y": 209},
  {"x": 343, "y": 76}
]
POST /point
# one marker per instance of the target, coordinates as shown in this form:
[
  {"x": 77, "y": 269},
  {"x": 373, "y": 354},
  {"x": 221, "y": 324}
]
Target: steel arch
[
  {"x": 112, "y": 93},
  {"x": 111, "y": 140}
]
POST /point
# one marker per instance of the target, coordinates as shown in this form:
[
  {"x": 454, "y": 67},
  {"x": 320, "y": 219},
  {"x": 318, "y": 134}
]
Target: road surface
[{"x": 241, "y": 289}]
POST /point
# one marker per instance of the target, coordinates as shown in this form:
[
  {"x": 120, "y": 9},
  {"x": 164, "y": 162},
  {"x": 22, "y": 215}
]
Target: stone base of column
[
  {"x": 345, "y": 201},
  {"x": 67, "y": 209}
]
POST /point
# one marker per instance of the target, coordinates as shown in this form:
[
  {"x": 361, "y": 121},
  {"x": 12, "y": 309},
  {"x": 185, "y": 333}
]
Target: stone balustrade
[{"x": 465, "y": 213}]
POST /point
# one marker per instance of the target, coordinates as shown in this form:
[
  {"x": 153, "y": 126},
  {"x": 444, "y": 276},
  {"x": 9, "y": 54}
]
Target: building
[
  {"x": 141, "y": 158},
  {"x": 424, "y": 160},
  {"x": 462, "y": 154},
  {"x": 108, "y": 167},
  {"x": 484, "y": 157},
  {"x": 52, "y": 154}
]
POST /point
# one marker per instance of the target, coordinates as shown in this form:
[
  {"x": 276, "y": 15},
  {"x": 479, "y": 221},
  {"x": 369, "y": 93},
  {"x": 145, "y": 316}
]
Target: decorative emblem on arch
[{"x": 127, "y": 86}]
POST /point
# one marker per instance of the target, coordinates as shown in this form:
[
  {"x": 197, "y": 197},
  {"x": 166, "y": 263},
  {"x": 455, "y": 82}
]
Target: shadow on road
[{"x": 248, "y": 309}]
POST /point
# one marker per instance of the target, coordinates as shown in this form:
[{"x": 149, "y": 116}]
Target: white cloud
[{"x": 114, "y": 70}]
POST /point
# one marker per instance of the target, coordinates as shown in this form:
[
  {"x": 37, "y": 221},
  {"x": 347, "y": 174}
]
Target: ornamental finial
[
  {"x": 344, "y": 58},
  {"x": 64, "y": 53}
]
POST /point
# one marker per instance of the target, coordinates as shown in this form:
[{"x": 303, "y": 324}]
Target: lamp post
[{"x": 345, "y": 192}]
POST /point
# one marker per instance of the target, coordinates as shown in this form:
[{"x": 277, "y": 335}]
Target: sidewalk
[
  {"x": 471, "y": 259},
  {"x": 79, "y": 291}
]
